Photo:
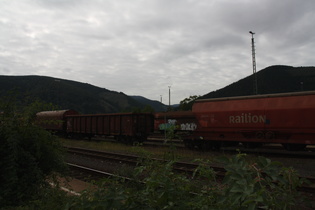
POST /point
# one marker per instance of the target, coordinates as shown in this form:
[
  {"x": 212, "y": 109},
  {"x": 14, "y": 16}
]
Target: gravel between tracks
[{"x": 110, "y": 167}]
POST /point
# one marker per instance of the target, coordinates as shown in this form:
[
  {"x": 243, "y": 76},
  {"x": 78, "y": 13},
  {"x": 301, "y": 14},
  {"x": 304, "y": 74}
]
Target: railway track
[
  {"x": 81, "y": 172},
  {"x": 132, "y": 160},
  {"x": 269, "y": 150}
]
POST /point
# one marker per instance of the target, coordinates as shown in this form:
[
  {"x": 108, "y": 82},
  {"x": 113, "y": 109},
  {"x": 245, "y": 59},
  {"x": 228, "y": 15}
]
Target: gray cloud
[{"x": 141, "y": 47}]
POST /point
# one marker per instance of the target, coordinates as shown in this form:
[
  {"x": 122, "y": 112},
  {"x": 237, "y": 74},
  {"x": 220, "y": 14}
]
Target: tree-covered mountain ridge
[
  {"x": 66, "y": 94},
  {"x": 87, "y": 98},
  {"x": 273, "y": 79}
]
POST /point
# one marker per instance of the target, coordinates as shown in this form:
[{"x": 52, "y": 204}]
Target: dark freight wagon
[
  {"x": 287, "y": 118},
  {"x": 124, "y": 126},
  {"x": 54, "y": 120}
]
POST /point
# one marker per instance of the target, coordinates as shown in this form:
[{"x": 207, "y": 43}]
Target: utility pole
[
  {"x": 255, "y": 88},
  {"x": 169, "y": 97}
]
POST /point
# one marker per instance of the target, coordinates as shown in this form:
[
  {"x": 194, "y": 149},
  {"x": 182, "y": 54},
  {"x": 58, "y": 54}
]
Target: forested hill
[
  {"x": 68, "y": 94},
  {"x": 273, "y": 79},
  {"x": 87, "y": 98}
]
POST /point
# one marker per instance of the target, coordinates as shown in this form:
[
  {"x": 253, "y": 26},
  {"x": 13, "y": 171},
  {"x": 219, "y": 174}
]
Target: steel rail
[{"x": 184, "y": 167}]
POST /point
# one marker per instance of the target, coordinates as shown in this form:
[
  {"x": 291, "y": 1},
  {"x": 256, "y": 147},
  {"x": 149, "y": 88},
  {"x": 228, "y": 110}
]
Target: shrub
[
  {"x": 28, "y": 154},
  {"x": 247, "y": 185},
  {"x": 262, "y": 183}
]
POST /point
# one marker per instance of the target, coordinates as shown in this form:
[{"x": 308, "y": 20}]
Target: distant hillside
[
  {"x": 273, "y": 79},
  {"x": 87, "y": 98},
  {"x": 67, "y": 94},
  {"x": 156, "y": 105}
]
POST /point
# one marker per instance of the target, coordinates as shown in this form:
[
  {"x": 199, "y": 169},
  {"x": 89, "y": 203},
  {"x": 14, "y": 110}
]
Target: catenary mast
[{"x": 255, "y": 88}]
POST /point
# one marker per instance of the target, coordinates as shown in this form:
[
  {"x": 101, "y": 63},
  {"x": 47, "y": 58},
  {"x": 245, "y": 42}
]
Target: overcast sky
[{"x": 141, "y": 47}]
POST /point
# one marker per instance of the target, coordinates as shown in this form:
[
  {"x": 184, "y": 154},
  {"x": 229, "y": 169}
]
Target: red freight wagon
[
  {"x": 287, "y": 118},
  {"x": 54, "y": 120},
  {"x": 182, "y": 120},
  {"x": 124, "y": 126}
]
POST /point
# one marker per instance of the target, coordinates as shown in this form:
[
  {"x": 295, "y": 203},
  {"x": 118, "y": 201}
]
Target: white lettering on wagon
[
  {"x": 247, "y": 118},
  {"x": 188, "y": 126}
]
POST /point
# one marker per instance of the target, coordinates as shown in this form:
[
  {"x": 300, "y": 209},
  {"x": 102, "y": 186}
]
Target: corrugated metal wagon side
[
  {"x": 287, "y": 118},
  {"x": 123, "y": 126},
  {"x": 143, "y": 125}
]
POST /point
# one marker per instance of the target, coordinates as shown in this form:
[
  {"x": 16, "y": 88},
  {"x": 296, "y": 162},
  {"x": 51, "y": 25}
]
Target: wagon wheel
[
  {"x": 270, "y": 135},
  {"x": 260, "y": 135}
]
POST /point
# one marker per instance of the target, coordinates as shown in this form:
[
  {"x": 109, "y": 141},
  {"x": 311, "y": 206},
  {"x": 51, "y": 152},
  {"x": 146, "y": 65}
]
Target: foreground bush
[
  {"x": 248, "y": 185},
  {"x": 28, "y": 154}
]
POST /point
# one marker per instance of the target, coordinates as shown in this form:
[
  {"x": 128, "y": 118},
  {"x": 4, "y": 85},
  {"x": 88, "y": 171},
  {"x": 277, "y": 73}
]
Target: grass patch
[{"x": 158, "y": 152}]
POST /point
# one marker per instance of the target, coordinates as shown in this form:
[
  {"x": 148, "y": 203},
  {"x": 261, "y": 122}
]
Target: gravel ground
[{"x": 110, "y": 167}]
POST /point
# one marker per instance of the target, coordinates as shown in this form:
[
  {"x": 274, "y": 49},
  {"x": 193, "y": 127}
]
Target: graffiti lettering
[
  {"x": 188, "y": 126},
  {"x": 172, "y": 122},
  {"x": 183, "y": 126}
]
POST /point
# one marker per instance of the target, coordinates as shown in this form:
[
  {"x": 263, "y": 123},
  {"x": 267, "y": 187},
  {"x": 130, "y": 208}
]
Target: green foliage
[
  {"x": 28, "y": 153},
  {"x": 187, "y": 103},
  {"x": 247, "y": 185},
  {"x": 170, "y": 134},
  {"x": 263, "y": 183},
  {"x": 82, "y": 97},
  {"x": 145, "y": 109},
  {"x": 161, "y": 189},
  {"x": 273, "y": 79}
]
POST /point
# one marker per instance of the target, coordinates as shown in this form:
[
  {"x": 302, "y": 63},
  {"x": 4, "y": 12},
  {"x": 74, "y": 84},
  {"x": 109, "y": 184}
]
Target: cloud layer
[{"x": 142, "y": 47}]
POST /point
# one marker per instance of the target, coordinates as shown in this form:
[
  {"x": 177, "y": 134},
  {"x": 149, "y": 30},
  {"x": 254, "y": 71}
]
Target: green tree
[
  {"x": 187, "y": 103},
  {"x": 145, "y": 109},
  {"x": 28, "y": 153}
]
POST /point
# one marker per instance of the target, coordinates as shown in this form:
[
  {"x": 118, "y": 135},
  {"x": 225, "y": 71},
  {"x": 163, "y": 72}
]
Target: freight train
[
  {"x": 127, "y": 127},
  {"x": 287, "y": 119}
]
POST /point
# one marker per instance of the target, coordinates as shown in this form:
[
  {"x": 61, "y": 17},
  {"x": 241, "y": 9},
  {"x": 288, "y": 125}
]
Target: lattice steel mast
[{"x": 255, "y": 88}]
